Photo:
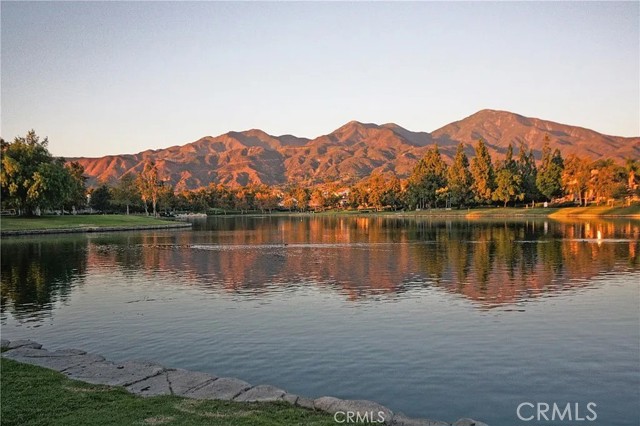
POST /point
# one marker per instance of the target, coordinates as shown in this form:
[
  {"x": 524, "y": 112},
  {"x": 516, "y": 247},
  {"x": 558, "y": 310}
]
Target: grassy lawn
[
  {"x": 79, "y": 221},
  {"x": 36, "y": 396},
  {"x": 633, "y": 211},
  {"x": 511, "y": 212}
]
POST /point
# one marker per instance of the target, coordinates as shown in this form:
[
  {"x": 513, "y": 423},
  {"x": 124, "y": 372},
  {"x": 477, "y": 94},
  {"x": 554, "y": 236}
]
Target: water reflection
[
  {"x": 489, "y": 263},
  {"x": 37, "y": 273}
]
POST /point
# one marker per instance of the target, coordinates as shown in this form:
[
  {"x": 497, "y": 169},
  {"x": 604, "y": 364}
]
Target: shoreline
[
  {"x": 148, "y": 379},
  {"x": 92, "y": 229},
  {"x": 469, "y": 214}
]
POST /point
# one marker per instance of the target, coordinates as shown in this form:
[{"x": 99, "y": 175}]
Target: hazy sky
[{"x": 121, "y": 77}]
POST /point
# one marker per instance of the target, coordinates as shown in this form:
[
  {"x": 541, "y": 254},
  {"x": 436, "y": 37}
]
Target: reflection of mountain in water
[{"x": 491, "y": 263}]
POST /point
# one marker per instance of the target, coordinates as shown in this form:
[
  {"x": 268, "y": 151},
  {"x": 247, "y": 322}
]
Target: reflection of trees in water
[
  {"x": 488, "y": 262},
  {"x": 491, "y": 262},
  {"x": 39, "y": 272},
  {"x": 503, "y": 263}
]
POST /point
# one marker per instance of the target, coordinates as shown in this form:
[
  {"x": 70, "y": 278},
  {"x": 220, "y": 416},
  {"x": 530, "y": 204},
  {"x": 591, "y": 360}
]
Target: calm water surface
[{"x": 438, "y": 319}]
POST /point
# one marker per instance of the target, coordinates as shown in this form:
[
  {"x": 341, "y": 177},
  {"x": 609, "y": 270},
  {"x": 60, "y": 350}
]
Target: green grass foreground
[
  {"x": 37, "y": 396},
  {"x": 78, "y": 221}
]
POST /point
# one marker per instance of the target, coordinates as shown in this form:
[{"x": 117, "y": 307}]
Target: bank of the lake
[
  {"x": 521, "y": 212},
  {"x": 37, "y": 396},
  {"x": 632, "y": 212},
  {"x": 36, "y": 377},
  {"x": 83, "y": 223}
]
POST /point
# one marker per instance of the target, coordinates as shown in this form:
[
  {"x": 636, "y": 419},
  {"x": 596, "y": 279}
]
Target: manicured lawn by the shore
[
  {"x": 78, "y": 221},
  {"x": 508, "y": 212},
  {"x": 631, "y": 211},
  {"x": 36, "y": 396}
]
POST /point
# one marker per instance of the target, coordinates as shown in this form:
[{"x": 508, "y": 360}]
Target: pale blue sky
[{"x": 121, "y": 77}]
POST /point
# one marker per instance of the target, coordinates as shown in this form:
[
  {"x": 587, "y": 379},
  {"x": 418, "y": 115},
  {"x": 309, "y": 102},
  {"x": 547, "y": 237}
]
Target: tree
[
  {"x": 483, "y": 174},
  {"x": 101, "y": 198},
  {"x": 265, "y": 198},
  {"x": 318, "y": 200},
  {"x": 52, "y": 185},
  {"x": 22, "y": 176},
  {"x": 393, "y": 193},
  {"x": 357, "y": 196},
  {"x": 428, "y": 176},
  {"x": 632, "y": 167},
  {"x": 608, "y": 180},
  {"x": 378, "y": 191},
  {"x": 508, "y": 180},
  {"x": 300, "y": 197},
  {"x": 77, "y": 182},
  {"x": 527, "y": 169},
  {"x": 243, "y": 199},
  {"x": 32, "y": 178},
  {"x": 575, "y": 178},
  {"x": 375, "y": 186},
  {"x": 126, "y": 191},
  {"x": 459, "y": 179},
  {"x": 149, "y": 186},
  {"x": 549, "y": 179}
]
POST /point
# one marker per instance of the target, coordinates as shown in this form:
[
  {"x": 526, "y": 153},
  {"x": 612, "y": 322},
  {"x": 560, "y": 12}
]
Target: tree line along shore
[{"x": 34, "y": 182}]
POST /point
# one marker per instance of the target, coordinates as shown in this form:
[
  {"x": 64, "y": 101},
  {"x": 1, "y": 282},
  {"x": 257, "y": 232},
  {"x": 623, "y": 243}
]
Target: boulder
[
  {"x": 152, "y": 386},
  {"x": 306, "y": 403},
  {"x": 182, "y": 381},
  {"x": 225, "y": 388},
  {"x": 23, "y": 344},
  {"x": 108, "y": 373},
  {"x": 290, "y": 398},
  {"x": 261, "y": 393},
  {"x": 61, "y": 360}
]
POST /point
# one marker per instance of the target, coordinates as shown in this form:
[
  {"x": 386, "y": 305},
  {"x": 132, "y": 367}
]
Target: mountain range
[{"x": 351, "y": 152}]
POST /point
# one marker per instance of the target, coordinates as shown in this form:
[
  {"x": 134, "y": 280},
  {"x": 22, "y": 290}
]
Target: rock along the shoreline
[{"x": 151, "y": 379}]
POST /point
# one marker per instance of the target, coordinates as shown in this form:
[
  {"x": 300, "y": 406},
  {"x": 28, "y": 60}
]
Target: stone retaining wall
[{"x": 150, "y": 379}]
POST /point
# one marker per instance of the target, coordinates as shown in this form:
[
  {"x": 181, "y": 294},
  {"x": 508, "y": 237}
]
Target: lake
[{"x": 434, "y": 318}]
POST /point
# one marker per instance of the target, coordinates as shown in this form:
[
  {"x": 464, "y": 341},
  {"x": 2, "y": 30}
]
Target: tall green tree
[
  {"x": 126, "y": 192},
  {"x": 549, "y": 179},
  {"x": 77, "y": 196},
  {"x": 508, "y": 180},
  {"x": 528, "y": 170},
  {"x": 459, "y": 179},
  {"x": 101, "y": 198},
  {"x": 427, "y": 177},
  {"x": 23, "y": 172},
  {"x": 483, "y": 174}
]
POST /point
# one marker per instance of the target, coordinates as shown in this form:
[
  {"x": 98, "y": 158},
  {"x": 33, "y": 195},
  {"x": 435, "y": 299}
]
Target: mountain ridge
[{"x": 350, "y": 152}]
